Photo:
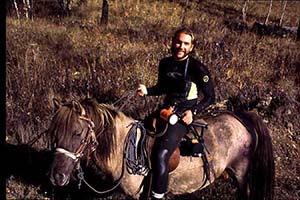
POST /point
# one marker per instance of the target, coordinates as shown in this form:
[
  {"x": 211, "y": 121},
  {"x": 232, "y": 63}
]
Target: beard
[{"x": 179, "y": 53}]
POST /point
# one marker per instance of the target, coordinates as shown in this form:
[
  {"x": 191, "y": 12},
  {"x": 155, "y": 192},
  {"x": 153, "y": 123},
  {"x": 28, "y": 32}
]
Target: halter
[{"x": 89, "y": 139}]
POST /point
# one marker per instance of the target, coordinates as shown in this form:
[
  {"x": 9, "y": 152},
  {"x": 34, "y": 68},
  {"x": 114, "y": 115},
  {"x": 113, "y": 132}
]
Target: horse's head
[{"x": 72, "y": 136}]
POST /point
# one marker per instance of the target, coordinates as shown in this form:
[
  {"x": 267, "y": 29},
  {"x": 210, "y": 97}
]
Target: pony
[{"x": 87, "y": 132}]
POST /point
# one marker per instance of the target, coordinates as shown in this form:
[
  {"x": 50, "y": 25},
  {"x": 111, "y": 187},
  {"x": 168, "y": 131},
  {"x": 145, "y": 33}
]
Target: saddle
[
  {"x": 192, "y": 145},
  {"x": 138, "y": 148}
]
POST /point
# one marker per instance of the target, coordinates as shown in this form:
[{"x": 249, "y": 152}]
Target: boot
[{"x": 155, "y": 196}]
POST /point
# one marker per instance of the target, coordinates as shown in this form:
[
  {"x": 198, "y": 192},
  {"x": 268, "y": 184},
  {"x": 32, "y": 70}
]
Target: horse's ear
[
  {"x": 78, "y": 108},
  {"x": 56, "y": 103}
]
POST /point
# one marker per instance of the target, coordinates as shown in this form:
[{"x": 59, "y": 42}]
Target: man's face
[{"x": 182, "y": 46}]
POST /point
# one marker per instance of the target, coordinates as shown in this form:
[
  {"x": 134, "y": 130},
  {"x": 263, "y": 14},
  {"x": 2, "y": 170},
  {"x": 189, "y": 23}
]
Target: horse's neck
[
  {"x": 115, "y": 161},
  {"x": 130, "y": 183}
]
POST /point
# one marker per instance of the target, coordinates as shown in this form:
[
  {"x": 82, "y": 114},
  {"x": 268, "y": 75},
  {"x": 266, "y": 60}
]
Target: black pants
[{"x": 163, "y": 148}]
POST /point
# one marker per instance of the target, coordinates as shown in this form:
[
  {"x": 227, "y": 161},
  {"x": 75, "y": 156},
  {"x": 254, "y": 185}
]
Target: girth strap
[{"x": 199, "y": 137}]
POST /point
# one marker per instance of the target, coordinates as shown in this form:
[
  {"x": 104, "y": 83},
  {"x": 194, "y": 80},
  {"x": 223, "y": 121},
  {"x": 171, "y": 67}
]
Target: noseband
[{"x": 89, "y": 141}]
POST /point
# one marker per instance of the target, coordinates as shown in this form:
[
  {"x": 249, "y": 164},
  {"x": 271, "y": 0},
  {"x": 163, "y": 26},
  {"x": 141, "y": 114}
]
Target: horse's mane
[
  {"x": 104, "y": 117},
  {"x": 64, "y": 114}
]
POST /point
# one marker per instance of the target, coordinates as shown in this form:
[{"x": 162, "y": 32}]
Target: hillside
[{"x": 64, "y": 56}]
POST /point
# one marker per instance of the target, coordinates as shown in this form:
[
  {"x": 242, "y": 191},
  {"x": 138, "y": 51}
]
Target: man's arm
[{"x": 204, "y": 85}]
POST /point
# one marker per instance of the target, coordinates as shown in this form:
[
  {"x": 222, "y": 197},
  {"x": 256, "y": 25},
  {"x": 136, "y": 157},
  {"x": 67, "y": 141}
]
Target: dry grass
[{"x": 62, "y": 57}]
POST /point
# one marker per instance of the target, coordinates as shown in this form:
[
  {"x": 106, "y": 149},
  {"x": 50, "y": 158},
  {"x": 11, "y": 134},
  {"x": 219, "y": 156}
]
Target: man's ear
[
  {"x": 192, "y": 48},
  {"x": 56, "y": 103},
  {"x": 78, "y": 108}
]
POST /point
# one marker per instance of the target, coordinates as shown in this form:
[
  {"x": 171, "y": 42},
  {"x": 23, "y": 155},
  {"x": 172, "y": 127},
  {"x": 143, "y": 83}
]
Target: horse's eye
[{"x": 77, "y": 134}]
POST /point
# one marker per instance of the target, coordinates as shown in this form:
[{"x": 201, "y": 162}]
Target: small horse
[{"x": 84, "y": 130}]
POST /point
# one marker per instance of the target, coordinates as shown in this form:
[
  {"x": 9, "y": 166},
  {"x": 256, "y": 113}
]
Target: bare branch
[
  {"x": 244, "y": 9},
  {"x": 268, "y": 15},
  {"x": 16, "y": 8},
  {"x": 282, "y": 14},
  {"x": 184, "y": 12},
  {"x": 27, "y": 8}
]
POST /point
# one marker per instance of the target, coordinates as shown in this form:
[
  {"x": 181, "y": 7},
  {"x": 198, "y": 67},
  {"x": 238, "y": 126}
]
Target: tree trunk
[
  {"x": 17, "y": 9},
  {"x": 65, "y": 6},
  {"x": 27, "y": 9},
  {"x": 184, "y": 12},
  {"x": 269, "y": 11},
  {"x": 104, "y": 15},
  {"x": 298, "y": 32},
  {"x": 244, "y": 9},
  {"x": 283, "y": 10}
]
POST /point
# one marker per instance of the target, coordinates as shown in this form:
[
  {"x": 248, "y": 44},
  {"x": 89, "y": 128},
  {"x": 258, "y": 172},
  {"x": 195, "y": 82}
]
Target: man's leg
[{"x": 162, "y": 150}]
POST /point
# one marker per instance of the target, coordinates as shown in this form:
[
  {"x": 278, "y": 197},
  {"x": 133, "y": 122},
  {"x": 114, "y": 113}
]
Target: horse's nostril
[{"x": 60, "y": 177}]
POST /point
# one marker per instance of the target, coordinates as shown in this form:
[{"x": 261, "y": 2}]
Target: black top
[{"x": 174, "y": 80}]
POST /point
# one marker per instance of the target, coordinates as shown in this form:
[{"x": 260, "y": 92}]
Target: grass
[{"x": 63, "y": 57}]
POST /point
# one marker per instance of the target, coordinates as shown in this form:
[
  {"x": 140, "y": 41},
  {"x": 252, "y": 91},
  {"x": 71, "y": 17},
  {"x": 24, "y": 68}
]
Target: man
[{"x": 182, "y": 78}]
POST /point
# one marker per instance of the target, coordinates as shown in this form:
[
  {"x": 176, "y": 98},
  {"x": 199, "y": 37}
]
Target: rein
[{"x": 31, "y": 142}]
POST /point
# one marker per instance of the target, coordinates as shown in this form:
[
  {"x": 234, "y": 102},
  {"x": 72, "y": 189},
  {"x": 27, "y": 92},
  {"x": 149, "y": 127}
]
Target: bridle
[{"x": 90, "y": 141}]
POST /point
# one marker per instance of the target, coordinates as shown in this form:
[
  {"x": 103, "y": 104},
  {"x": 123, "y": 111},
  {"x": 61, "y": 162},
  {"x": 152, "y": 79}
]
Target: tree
[
  {"x": 184, "y": 12},
  {"x": 269, "y": 11},
  {"x": 65, "y": 6},
  {"x": 298, "y": 32},
  {"x": 104, "y": 15},
  {"x": 26, "y": 8},
  {"x": 282, "y": 14},
  {"x": 244, "y": 9}
]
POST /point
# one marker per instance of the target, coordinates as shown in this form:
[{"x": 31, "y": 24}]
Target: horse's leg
[
  {"x": 147, "y": 181},
  {"x": 239, "y": 172}
]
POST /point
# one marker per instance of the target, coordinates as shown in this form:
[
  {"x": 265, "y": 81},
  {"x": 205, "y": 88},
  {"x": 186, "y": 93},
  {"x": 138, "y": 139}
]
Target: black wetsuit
[{"x": 174, "y": 80}]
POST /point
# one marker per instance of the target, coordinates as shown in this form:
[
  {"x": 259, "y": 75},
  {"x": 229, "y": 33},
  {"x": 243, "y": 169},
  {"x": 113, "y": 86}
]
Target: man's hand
[
  {"x": 142, "y": 90},
  {"x": 187, "y": 117}
]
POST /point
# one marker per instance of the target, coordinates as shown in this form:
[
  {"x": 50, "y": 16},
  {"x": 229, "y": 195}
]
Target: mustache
[{"x": 175, "y": 50}]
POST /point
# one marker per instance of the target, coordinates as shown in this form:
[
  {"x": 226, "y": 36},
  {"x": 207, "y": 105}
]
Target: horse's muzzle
[
  {"x": 59, "y": 179},
  {"x": 61, "y": 170}
]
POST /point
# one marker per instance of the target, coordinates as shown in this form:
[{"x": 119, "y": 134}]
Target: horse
[{"x": 85, "y": 130}]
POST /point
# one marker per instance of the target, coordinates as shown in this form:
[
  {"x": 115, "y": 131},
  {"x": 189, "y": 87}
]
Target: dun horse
[{"x": 89, "y": 130}]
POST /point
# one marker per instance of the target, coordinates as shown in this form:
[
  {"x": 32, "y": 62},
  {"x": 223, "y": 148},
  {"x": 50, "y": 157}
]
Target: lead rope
[
  {"x": 80, "y": 175},
  {"x": 81, "y": 178}
]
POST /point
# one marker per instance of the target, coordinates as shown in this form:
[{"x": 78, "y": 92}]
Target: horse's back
[
  {"x": 226, "y": 133},
  {"x": 224, "y": 139},
  {"x": 227, "y": 140}
]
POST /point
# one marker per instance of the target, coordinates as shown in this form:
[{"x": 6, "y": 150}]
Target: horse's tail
[{"x": 262, "y": 167}]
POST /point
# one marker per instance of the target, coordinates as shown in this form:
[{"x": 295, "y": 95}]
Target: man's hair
[{"x": 184, "y": 30}]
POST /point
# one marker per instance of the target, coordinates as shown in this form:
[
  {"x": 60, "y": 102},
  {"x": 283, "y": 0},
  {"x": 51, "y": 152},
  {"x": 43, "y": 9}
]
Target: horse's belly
[
  {"x": 187, "y": 177},
  {"x": 131, "y": 184}
]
